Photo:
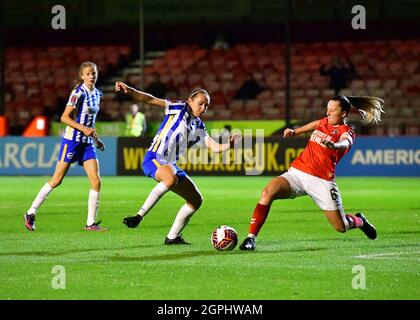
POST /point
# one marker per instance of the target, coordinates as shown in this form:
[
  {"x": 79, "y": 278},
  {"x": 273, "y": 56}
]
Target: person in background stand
[
  {"x": 136, "y": 124},
  {"x": 338, "y": 73}
]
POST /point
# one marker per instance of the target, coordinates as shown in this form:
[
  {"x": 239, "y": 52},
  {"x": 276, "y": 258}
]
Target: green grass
[{"x": 299, "y": 255}]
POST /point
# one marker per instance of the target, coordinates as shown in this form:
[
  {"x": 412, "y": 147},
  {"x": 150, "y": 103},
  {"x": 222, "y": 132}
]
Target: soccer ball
[{"x": 224, "y": 238}]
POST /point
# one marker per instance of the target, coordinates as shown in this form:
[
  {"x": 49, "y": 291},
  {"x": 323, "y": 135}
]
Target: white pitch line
[{"x": 389, "y": 255}]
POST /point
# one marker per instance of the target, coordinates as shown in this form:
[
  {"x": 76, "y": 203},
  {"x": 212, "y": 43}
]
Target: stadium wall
[
  {"x": 373, "y": 156},
  {"x": 370, "y": 156},
  {"x": 38, "y": 156}
]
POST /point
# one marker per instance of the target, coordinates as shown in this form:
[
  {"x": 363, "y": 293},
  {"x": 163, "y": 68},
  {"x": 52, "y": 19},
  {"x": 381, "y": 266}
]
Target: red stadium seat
[
  {"x": 382, "y": 68},
  {"x": 373, "y": 84}
]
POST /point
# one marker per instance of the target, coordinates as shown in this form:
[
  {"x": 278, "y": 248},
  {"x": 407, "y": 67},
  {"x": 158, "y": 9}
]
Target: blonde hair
[
  {"x": 370, "y": 108},
  {"x": 83, "y": 65}
]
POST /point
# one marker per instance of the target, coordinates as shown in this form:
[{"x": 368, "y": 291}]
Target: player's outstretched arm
[
  {"x": 341, "y": 144},
  {"x": 139, "y": 95},
  {"x": 221, "y": 147},
  {"x": 306, "y": 128}
]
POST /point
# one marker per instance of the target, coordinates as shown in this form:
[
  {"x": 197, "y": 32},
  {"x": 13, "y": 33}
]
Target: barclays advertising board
[
  {"x": 38, "y": 156},
  {"x": 384, "y": 156}
]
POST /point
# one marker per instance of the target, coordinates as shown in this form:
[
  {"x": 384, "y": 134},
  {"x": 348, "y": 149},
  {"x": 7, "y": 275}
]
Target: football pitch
[{"x": 298, "y": 256}]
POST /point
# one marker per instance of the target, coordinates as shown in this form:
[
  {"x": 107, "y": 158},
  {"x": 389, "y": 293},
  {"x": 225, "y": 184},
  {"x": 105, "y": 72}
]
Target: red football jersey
[{"x": 318, "y": 160}]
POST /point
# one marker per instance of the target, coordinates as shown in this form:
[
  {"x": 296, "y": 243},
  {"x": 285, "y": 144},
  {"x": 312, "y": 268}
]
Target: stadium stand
[
  {"x": 36, "y": 78},
  {"x": 381, "y": 70}
]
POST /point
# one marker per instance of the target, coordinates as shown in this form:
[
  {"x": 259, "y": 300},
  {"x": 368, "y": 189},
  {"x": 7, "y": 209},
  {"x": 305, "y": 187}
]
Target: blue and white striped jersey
[
  {"x": 86, "y": 103},
  {"x": 178, "y": 131}
]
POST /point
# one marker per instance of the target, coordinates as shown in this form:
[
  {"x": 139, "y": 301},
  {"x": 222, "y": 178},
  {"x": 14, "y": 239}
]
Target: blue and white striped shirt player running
[
  {"x": 75, "y": 145},
  {"x": 178, "y": 131}
]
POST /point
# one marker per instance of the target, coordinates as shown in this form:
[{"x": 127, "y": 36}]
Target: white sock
[
  {"x": 93, "y": 204},
  {"x": 153, "y": 198},
  {"x": 42, "y": 195},
  {"x": 181, "y": 221}
]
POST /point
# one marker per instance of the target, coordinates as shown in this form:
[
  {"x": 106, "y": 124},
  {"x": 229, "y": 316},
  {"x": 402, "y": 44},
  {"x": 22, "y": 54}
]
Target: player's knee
[
  {"x": 171, "y": 181},
  {"x": 266, "y": 195},
  {"x": 198, "y": 202},
  {"x": 98, "y": 184},
  {"x": 195, "y": 202},
  {"x": 95, "y": 183}
]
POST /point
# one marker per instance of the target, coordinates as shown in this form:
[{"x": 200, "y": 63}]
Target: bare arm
[
  {"x": 66, "y": 119},
  {"x": 306, "y": 128},
  {"x": 140, "y": 95},
  {"x": 221, "y": 147}
]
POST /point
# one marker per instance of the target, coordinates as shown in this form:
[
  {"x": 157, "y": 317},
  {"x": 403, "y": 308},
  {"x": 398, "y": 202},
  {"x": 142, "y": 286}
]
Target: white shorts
[{"x": 324, "y": 193}]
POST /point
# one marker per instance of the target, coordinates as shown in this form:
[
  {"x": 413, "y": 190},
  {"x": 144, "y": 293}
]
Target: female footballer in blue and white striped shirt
[
  {"x": 77, "y": 145},
  {"x": 181, "y": 128}
]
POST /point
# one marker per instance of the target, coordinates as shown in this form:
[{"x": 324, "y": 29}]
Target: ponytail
[{"x": 370, "y": 108}]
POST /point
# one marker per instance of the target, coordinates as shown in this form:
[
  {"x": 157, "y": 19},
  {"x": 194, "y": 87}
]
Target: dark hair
[
  {"x": 370, "y": 108},
  {"x": 199, "y": 90}
]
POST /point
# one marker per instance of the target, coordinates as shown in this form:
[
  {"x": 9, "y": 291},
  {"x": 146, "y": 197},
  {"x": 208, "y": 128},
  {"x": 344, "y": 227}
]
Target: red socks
[
  {"x": 261, "y": 213},
  {"x": 258, "y": 218}
]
